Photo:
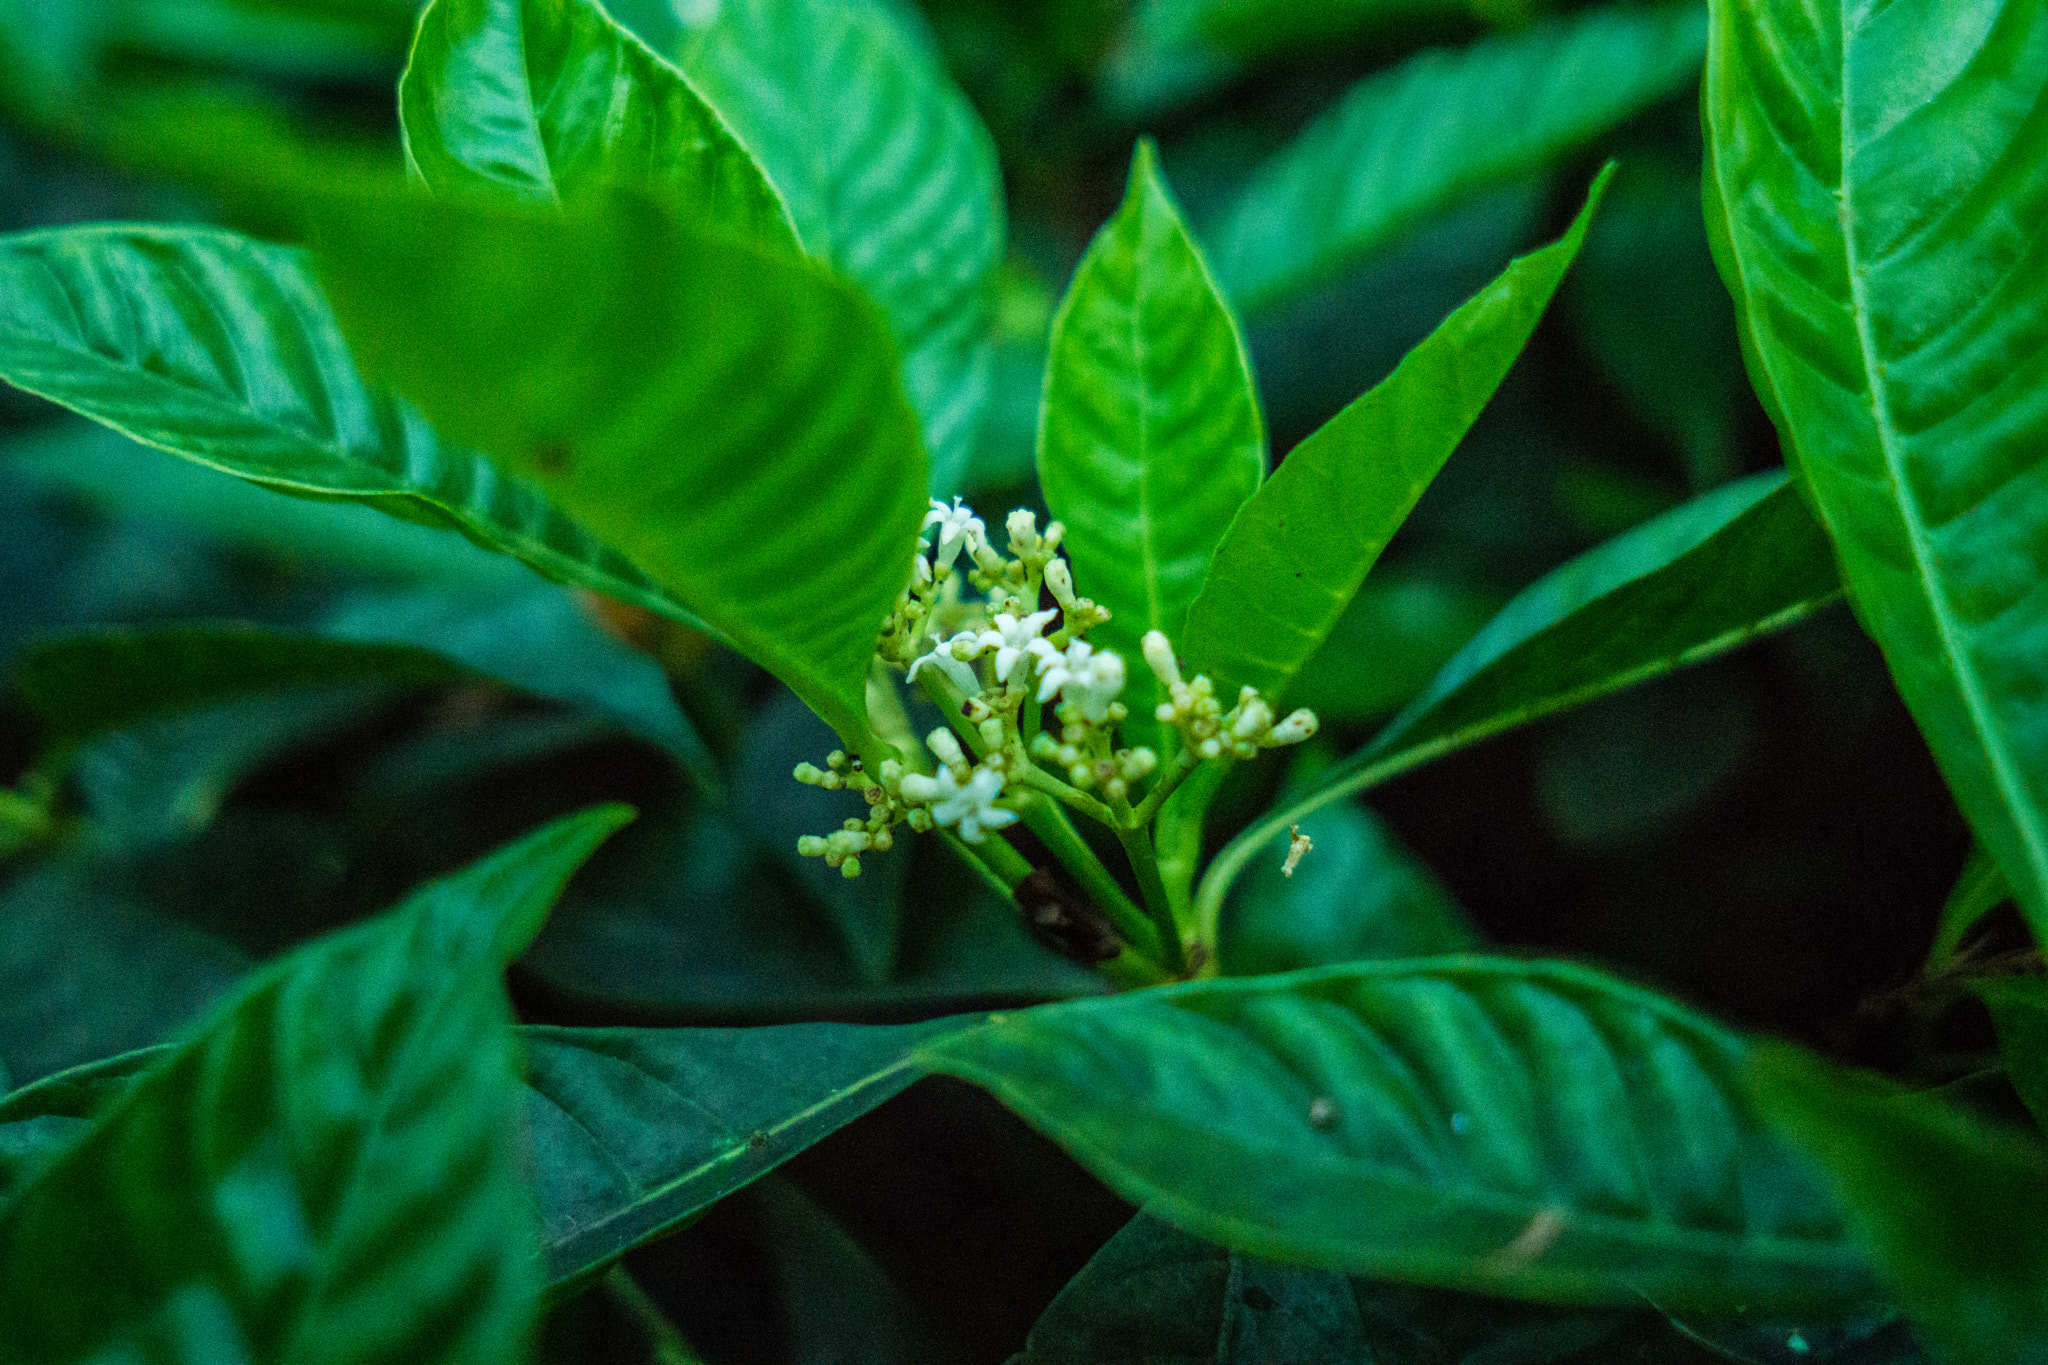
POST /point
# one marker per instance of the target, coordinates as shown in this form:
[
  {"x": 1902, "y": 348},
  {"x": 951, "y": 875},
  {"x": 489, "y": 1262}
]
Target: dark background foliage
[{"x": 1765, "y": 836}]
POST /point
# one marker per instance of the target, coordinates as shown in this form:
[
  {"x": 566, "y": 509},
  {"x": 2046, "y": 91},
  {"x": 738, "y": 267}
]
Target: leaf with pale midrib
[
  {"x": 1877, "y": 184},
  {"x": 553, "y": 100},
  {"x": 1521, "y": 1128},
  {"x": 328, "y": 1168},
  {"x": 1149, "y": 439},
  {"x": 221, "y": 349}
]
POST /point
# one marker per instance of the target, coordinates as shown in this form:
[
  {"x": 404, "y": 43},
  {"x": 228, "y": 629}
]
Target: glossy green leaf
[
  {"x": 635, "y": 1130},
  {"x": 554, "y": 101},
  {"x": 889, "y": 175},
  {"x": 537, "y": 640},
  {"x": 2019, "y": 1010},
  {"x": 1949, "y": 1207},
  {"x": 1357, "y": 895},
  {"x": 1297, "y": 552},
  {"x": 727, "y": 418},
  {"x": 1156, "y": 1294},
  {"x": 221, "y": 349},
  {"x": 328, "y": 1169},
  {"x": 1715, "y": 573},
  {"x": 1530, "y": 1129},
  {"x": 1397, "y": 634},
  {"x": 1978, "y": 891},
  {"x": 1150, "y": 438},
  {"x": 1879, "y": 176},
  {"x": 1408, "y": 142}
]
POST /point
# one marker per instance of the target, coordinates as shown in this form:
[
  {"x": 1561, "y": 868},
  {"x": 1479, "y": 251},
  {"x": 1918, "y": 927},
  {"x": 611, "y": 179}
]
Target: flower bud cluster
[
  {"x": 1205, "y": 727},
  {"x": 1002, "y": 659}
]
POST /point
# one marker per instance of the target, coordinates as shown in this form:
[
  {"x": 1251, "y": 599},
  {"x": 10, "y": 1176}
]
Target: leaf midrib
[{"x": 1911, "y": 517}]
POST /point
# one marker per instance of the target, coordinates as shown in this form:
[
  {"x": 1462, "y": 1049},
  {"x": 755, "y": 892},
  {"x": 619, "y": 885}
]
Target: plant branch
[{"x": 1137, "y": 844}]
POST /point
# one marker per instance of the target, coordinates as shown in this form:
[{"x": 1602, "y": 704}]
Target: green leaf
[
  {"x": 2019, "y": 1010},
  {"x": 1978, "y": 891},
  {"x": 536, "y": 639},
  {"x": 1297, "y": 552},
  {"x": 1703, "y": 578},
  {"x": 1149, "y": 439},
  {"x": 1412, "y": 141},
  {"x": 40, "y": 1121},
  {"x": 889, "y": 175},
  {"x": 1156, "y": 1294},
  {"x": 1357, "y": 895},
  {"x": 221, "y": 349},
  {"x": 727, "y": 418},
  {"x": 1879, "y": 176},
  {"x": 1397, "y": 634},
  {"x": 1948, "y": 1206},
  {"x": 328, "y": 1169},
  {"x": 554, "y": 101},
  {"x": 1529, "y": 1129},
  {"x": 635, "y": 1130}
]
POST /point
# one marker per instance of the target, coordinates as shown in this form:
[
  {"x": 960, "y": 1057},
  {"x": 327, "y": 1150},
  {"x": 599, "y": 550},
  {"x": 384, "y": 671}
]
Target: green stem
[
  {"x": 1137, "y": 844},
  {"x": 1065, "y": 843},
  {"x": 1004, "y": 869},
  {"x": 664, "y": 1343},
  {"x": 1029, "y": 774},
  {"x": 1183, "y": 765},
  {"x": 1216, "y": 882}
]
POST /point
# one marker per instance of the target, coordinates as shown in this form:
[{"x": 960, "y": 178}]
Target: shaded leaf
[
  {"x": 2019, "y": 1010},
  {"x": 1408, "y": 142},
  {"x": 635, "y": 1130},
  {"x": 1715, "y": 573},
  {"x": 1876, "y": 180},
  {"x": 554, "y": 101},
  {"x": 221, "y": 349},
  {"x": 1297, "y": 551},
  {"x": 1357, "y": 895},
  {"x": 727, "y": 418},
  {"x": 1397, "y": 634},
  {"x": 1947, "y": 1205},
  {"x": 1522, "y": 1128},
  {"x": 1978, "y": 891},
  {"x": 325, "y": 1171},
  {"x": 889, "y": 175},
  {"x": 1149, "y": 439}
]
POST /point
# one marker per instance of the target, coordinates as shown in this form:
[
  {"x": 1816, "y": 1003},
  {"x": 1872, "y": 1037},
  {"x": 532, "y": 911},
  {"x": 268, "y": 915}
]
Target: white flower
[
  {"x": 970, "y": 804},
  {"x": 1012, "y": 639},
  {"x": 942, "y": 657},
  {"x": 1159, "y": 655},
  {"x": 1297, "y": 727},
  {"x": 958, "y": 527},
  {"x": 1089, "y": 680}
]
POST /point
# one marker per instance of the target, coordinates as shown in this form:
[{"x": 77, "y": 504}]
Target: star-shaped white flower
[
  {"x": 970, "y": 804},
  {"x": 1012, "y": 639},
  {"x": 1089, "y": 680},
  {"x": 958, "y": 528},
  {"x": 942, "y": 657}
]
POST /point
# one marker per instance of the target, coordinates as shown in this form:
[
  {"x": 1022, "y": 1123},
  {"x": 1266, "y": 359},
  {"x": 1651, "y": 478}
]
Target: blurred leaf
[
  {"x": 39, "y": 1122},
  {"x": 2019, "y": 1010},
  {"x": 1740, "y": 562},
  {"x": 1978, "y": 891},
  {"x": 889, "y": 175},
  {"x": 1156, "y": 1294},
  {"x": 554, "y": 101},
  {"x": 1949, "y": 1207},
  {"x": 1397, "y": 634},
  {"x": 1523, "y": 1128},
  {"x": 839, "y": 1306},
  {"x": 692, "y": 918},
  {"x": 127, "y": 479},
  {"x": 1298, "y": 550},
  {"x": 168, "y": 778},
  {"x": 728, "y": 419},
  {"x": 1358, "y": 895},
  {"x": 1406, "y": 143},
  {"x": 327, "y": 1170},
  {"x": 1880, "y": 242},
  {"x": 635, "y": 1130},
  {"x": 1149, "y": 439},
  {"x": 90, "y": 968},
  {"x": 1655, "y": 319},
  {"x": 125, "y": 325}
]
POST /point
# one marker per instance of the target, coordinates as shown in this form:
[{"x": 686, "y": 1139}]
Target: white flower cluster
[{"x": 1034, "y": 656}]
